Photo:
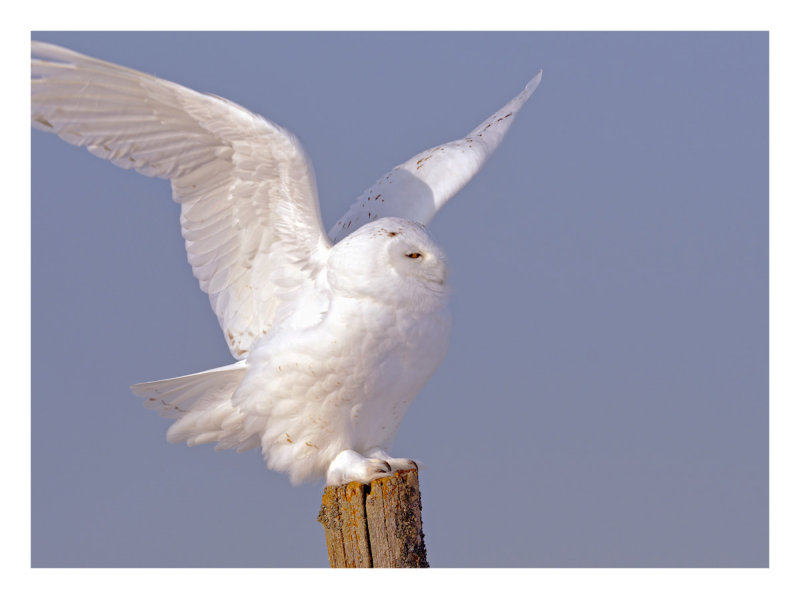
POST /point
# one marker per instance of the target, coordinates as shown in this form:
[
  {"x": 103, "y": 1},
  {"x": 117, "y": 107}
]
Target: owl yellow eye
[{"x": 414, "y": 255}]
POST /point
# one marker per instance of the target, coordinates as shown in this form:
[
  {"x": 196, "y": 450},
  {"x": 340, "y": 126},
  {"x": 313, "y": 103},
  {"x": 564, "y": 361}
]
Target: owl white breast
[{"x": 346, "y": 381}]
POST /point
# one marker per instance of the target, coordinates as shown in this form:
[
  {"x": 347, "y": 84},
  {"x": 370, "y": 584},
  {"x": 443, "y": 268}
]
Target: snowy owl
[{"x": 333, "y": 334}]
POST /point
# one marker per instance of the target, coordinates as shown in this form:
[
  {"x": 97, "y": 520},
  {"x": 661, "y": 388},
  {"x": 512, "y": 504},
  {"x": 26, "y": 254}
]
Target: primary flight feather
[{"x": 334, "y": 334}]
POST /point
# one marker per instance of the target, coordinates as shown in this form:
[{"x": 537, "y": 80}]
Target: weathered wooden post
[{"x": 375, "y": 526}]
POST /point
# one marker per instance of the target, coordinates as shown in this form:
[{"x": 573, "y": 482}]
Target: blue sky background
[{"x": 605, "y": 398}]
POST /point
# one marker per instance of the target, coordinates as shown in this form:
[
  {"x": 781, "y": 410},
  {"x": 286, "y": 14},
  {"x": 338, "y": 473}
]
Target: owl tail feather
[{"x": 201, "y": 404}]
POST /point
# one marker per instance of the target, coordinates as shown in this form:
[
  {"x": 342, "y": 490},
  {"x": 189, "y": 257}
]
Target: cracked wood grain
[{"x": 375, "y": 526}]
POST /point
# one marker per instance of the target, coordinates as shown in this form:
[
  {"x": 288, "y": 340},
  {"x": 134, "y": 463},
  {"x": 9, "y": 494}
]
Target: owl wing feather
[
  {"x": 418, "y": 188},
  {"x": 249, "y": 208}
]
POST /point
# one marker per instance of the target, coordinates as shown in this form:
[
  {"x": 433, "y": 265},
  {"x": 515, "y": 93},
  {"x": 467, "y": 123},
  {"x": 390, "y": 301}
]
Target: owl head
[{"x": 389, "y": 259}]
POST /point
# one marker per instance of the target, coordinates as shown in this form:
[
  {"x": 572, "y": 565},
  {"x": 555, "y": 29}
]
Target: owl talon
[{"x": 395, "y": 463}]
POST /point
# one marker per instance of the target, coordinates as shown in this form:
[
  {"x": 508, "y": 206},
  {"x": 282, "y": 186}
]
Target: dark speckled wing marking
[{"x": 418, "y": 188}]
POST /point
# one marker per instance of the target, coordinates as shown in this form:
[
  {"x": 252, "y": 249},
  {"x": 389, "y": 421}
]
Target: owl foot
[
  {"x": 395, "y": 463},
  {"x": 351, "y": 466}
]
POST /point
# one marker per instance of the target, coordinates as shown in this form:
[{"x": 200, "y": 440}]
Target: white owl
[{"x": 334, "y": 335}]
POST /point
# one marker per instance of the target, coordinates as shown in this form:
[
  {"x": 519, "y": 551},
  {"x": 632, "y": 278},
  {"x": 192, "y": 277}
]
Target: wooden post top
[{"x": 377, "y": 525}]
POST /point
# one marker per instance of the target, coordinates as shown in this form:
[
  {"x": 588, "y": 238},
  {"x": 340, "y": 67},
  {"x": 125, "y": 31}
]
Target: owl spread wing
[
  {"x": 419, "y": 187},
  {"x": 249, "y": 209}
]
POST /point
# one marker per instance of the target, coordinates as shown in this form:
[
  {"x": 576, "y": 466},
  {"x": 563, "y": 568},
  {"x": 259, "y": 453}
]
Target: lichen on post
[{"x": 377, "y": 525}]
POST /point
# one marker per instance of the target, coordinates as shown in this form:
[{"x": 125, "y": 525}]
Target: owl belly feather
[{"x": 343, "y": 384}]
